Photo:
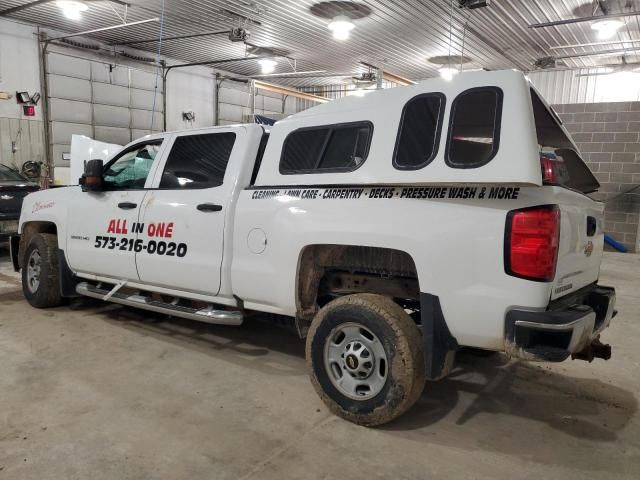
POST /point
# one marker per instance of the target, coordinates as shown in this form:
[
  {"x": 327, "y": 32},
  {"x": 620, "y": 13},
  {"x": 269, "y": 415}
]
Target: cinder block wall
[{"x": 608, "y": 135}]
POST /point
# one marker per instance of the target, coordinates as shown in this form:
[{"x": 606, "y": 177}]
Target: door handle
[
  {"x": 127, "y": 205},
  {"x": 592, "y": 225},
  {"x": 209, "y": 207}
]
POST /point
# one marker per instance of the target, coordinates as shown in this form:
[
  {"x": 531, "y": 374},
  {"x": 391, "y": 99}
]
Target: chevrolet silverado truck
[{"x": 394, "y": 229}]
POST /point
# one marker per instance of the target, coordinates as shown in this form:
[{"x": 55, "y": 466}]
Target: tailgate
[{"x": 581, "y": 243}]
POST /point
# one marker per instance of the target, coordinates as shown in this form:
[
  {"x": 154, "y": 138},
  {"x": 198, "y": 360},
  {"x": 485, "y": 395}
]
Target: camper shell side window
[
  {"x": 326, "y": 149},
  {"x": 419, "y": 131},
  {"x": 474, "y": 127}
]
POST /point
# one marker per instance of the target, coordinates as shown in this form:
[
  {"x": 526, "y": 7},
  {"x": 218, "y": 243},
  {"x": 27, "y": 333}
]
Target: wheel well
[
  {"x": 28, "y": 230},
  {"x": 329, "y": 271}
]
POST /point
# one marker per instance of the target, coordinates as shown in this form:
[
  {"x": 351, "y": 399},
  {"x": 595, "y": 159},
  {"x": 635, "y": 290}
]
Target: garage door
[{"x": 110, "y": 102}]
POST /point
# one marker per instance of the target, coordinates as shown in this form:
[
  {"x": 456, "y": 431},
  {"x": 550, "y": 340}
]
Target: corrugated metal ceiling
[{"x": 400, "y": 35}]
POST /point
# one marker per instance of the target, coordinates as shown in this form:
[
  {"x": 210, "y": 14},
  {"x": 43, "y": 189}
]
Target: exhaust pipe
[{"x": 596, "y": 349}]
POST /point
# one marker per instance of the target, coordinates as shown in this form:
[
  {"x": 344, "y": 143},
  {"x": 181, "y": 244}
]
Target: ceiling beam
[
  {"x": 177, "y": 37},
  {"x": 270, "y": 87},
  {"x": 583, "y": 19},
  {"x": 105, "y": 29},
  {"x": 598, "y": 54}
]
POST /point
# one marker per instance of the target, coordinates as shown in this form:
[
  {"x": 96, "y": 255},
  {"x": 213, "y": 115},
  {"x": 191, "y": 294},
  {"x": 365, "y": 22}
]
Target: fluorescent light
[
  {"x": 268, "y": 65},
  {"x": 72, "y": 8},
  {"x": 448, "y": 73},
  {"x": 341, "y": 27},
  {"x": 607, "y": 28}
]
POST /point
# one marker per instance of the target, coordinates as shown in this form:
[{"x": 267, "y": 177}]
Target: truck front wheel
[
  {"x": 365, "y": 358},
  {"x": 40, "y": 276}
]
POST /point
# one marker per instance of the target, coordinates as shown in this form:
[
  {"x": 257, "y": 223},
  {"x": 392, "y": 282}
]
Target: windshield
[{"x": 8, "y": 175}]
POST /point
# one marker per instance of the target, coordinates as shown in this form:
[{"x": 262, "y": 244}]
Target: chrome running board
[{"x": 206, "y": 315}]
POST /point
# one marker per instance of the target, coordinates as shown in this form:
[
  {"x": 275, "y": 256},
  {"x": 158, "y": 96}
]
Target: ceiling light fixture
[
  {"x": 607, "y": 28},
  {"x": 448, "y": 73},
  {"x": 268, "y": 65},
  {"x": 72, "y": 9},
  {"x": 341, "y": 27}
]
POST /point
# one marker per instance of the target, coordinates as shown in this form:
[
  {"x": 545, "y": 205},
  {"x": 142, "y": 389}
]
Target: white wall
[
  {"x": 188, "y": 89},
  {"x": 19, "y": 70},
  {"x": 586, "y": 86},
  {"x": 21, "y": 138}
]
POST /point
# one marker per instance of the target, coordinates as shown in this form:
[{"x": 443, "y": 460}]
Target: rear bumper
[{"x": 568, "y": 327}]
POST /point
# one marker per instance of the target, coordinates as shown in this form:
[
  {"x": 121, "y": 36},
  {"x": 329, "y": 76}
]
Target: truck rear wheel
[
  {"x": 40, "y": 275},
  {"x": 365, "y": 359}
]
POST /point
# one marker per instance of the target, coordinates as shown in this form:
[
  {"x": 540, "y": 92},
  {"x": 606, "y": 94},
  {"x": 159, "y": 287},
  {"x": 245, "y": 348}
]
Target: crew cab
[{"x": 394, "y": 229}]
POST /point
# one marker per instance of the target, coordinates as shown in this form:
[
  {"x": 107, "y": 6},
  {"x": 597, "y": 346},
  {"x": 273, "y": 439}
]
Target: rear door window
[
  {"x": 198, "y": 161},
  {"x": 474, "y": 131},
  {"x": 335, "y": 148},
  {"x": 419, "y": 132}
]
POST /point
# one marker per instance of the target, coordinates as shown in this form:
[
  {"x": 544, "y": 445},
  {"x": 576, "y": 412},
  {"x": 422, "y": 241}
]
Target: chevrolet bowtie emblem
[
  {"x": 588, "y": 249},
  {"x": 6, "y": 197}
]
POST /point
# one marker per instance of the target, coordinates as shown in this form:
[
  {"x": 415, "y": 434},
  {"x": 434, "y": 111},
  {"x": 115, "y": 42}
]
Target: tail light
[
  {"x": 554, "y": 170},
  {"x": 531, "y": 243},
  {"x": 549, "y": 174}
]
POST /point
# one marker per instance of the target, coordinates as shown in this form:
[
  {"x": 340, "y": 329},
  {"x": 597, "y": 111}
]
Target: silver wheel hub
[
  {"x": 356, "y": 361},
  {"x": 34, "y": 268}
]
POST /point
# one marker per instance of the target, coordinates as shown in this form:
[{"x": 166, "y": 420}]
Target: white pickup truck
[{"x": 395, "y": 229}]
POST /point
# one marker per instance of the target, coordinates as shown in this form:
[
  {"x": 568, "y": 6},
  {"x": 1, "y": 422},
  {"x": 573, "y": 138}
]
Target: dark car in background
[{"x": 13, "y": 188}]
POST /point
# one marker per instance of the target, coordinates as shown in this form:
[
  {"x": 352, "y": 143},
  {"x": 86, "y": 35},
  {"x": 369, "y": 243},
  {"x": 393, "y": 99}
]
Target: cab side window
[
  {"x": 198, "y": 161},
  {"x": 130, "y": 170},
  {"x": 474, "y": 131}
]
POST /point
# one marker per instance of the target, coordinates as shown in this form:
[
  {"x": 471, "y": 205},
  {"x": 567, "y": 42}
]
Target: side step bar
[{"x": 206, "y": 315}]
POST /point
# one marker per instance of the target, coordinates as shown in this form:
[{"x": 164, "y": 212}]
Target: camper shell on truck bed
[{"x": 394, "y": 228}]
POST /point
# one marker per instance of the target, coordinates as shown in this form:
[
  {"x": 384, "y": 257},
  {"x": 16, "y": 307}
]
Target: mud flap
[
  {"x": 14, "y": 248},
  {"x": 439, "y": 345},
  {"x": 68, "y": 280}
]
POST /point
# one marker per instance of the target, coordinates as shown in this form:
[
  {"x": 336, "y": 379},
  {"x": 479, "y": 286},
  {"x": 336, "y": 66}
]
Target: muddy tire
[
  {"x": 365, "y": 359},
  {"x": 40, "y": 273}
]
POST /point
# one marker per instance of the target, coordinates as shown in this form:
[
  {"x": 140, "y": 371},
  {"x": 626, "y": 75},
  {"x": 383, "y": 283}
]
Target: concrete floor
[{"x": 110, "y": 393}]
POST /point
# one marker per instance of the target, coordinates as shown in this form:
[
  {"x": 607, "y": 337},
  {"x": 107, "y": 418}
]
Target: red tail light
[
  {"x": 549, "y": 173},
  {"x": 531, "y": 243}
]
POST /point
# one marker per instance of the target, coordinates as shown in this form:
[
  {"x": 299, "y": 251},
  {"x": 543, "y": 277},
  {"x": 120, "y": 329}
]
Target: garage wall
[
  {"x": 107, "y": 101},
  {"x": 608, "y": 135},
  {"x": 19, "y": 72},
  {"x": 235, "y": 103},
  {"x": 587, "y": 85}
]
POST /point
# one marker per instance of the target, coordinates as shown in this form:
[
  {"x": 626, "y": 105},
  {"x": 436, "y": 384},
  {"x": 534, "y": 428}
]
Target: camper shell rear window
[{"x": 555, "y": 145}]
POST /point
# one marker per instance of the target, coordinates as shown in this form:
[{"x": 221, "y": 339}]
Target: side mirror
[{"x": 91, "y": 179}]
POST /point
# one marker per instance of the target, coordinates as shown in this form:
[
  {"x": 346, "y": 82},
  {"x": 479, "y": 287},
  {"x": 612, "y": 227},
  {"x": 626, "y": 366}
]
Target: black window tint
[
  {"x": 474, "y": 132},
  {"x": 419, "y": 133},
  {"x": 338, "y": 148},
  {"x": 302, "y": 149},
  {"x": 198, "y": 161},
  {"x": 346, "y": 148}
]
